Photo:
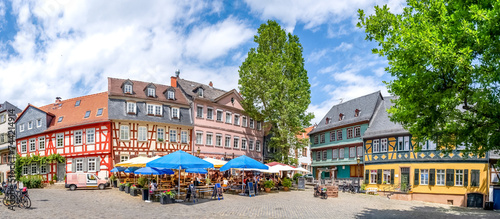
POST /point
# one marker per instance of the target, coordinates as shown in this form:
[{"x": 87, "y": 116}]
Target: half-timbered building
[
  {"x": 77, "y": 128},
  {"x": 147, "y": 119}
]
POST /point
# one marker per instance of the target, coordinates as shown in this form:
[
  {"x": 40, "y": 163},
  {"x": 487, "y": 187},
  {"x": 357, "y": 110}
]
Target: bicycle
[
  {"x": 15, "y": 197},
  {"x": 323, "y": 193}
]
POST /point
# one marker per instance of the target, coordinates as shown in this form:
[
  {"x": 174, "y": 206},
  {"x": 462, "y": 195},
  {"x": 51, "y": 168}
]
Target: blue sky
[{"x": 68, "y": 48}]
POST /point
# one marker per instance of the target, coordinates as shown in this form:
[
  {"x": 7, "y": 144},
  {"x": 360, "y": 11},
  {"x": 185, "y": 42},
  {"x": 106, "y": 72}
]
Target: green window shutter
[
  {"x": 432, "y": 177},
  {"x": 416, "y": 177},
  {"x": 392, "y": 176},
  {"x": 466, "y": 178},
  {"x": 474, "y": 178},
  {"x": 379, "y": 176},
  {"x": 367, "y": 176},
  {"x": 449, "y": 177}
]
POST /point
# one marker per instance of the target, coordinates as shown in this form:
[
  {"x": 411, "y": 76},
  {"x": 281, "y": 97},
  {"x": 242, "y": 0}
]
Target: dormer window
[
  {"x": 127, "y": 89},
  {"x": 327, "y": 121},
  {"x": 60, "y": 119},
  {"x": 131, "y": 107},
  {"x": 151, "y": 92},
  {"x": 87, "y": 114},
  {"x": 357, "y": 112},
  {"x": 341, "y": 117},
  {"x": 200, "y": 92},
  {"x": 175, "y": 113},
  {"x": 171, "y": 95}
]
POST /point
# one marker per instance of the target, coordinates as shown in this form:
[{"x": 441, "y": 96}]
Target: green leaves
[
  {"x": 444, "y": 56},
  {"x": 275, "y": 86}
]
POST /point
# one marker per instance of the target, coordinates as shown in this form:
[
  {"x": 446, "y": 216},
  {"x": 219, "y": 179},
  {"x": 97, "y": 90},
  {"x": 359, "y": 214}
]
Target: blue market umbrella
[
  {"x": 179, "y": 160},
  {"x": 148, "y": 171},
  {"x": 117, "y": 169},
  {"x": 131, "y": 169},
  {"x": 196, "y": 170},
  {"x": 243, "y": 162}
]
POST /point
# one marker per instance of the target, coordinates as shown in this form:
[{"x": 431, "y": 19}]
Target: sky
[{"x": 68, "y": 48}]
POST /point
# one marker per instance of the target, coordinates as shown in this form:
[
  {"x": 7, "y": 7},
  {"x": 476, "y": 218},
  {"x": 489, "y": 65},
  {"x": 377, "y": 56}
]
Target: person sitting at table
[{"x": 225, "y": 183}]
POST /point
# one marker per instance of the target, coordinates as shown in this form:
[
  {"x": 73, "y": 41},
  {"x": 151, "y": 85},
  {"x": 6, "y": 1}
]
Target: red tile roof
[
  {"x": 115, "y": 89},
  {"x": 74, "y": 115},
  {"x": 304, "y": 134}
]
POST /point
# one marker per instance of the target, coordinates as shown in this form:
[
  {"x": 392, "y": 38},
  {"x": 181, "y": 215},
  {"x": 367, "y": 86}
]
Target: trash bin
[
  {"x": 145, "y": 194},
  {"x": 488, "y": 206}
]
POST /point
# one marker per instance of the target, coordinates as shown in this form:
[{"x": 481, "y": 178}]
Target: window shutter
[
  {"x": 379, "y": 176},
  {"x": 367, "y": 175},
  {"x": 29, "y": 169},
  {"x": 85, "y": 164},
  {"x": 432, "y": 177},
  {"x": 449, "y": 177},
  {"x": 416, "y": 180},
  {"x": 392, "y": 176},
  {"x": 474, "y": 178},
  {"x": 98, "y": 164},
  {"x": 466, "y": 178},
  {"x": 73, "y": 166}
]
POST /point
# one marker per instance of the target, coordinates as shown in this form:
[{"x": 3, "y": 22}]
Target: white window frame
[
  {"x": 322, "y": 138},
  {"x": 200, "y": 92},
  {"x": 151, "y": 92},
  {"x": 41, "y": 143},
  {"x": 459, "y": 177},
  {"x": 373, "y": 176},
  {"x": 424, "y": 177},
  {"x": 171, "y": 95},
  {"x": 175, "y": 113},
  {"x": 383, "y": 145},
  {"x": 43, "y": 169},
  {"x": 25, "y": 170},
  {"x": 39, "y": 123},
  {"x": 401, "y": 143},
  {"x": 160, "y": 132},
  {"x": 77, "y": 136},
  {"x": 250, "y": 145},
  {"x": 59, "y": 136},
  {"x": 209, "y": 138},
  {"x": 218, "y": 140},
  {"x": 440, "y": 177},
  {"x": 131, "y": 107},
  {"x": 350, "y": 133},
  {"x": 30, "y": 125},
  {"x": 335, "y": 153},
  {"x": 24, "y": 147},
  {"x": 199, "y": 137},
  {"x": 173, "y": 135},
  {"x": 357, "y": 132},
  {"x": 217, "y": 115},
  {"x": 227, "y": 141},
  {"x": 124, "y": 132},
  {"x": 236, "y": 142},
  {"x": 341, "y": 153},
  {"x": 318, "y": 155},
  {"x": 127, "y": 89},
  {"x": 79, "y": 165},
  {"x": 21, "y": 128},
  {"x": 229, "y": 117},
  {"x": 359, "y": 151},
  {"x": 92, "y": 160},
  {"x": 375, "y": 146},
  {"x": 34, "y": 165},
  {"x": 339, "y": 137},
  {"x": 210, "y": 113},
  {"x": 32, "y": 144},
  {"x": 198, "y": 113},
  {"x": 352, "y": 152},
  {"x": 150, "y": 108},
  {"x": 243, "y": 144},
  {"x": 124, "y": 157},
  {"x": 90, "y": 136},
  {"x": 184, "y": 137},
  {"x": 251, "y": 123},
  {"x": 244, "y": 121},
  {"x": 386, "y": 176},
  {"x": 158, "y": 110},
  {"x": 407, "y": 143},
  {"x": 236, "y": 119},
  {"x": 259, "y": 125},
  {"x": 142, "y": 133},
  {"x": 257, "y": 145}
]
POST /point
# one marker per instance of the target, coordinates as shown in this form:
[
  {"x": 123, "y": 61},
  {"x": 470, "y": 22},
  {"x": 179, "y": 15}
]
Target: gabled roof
[
  {"x": 233, "y": 91},
  {"x": 74, "y": 115},
  {"x": 114, "y": 89},
  {"x": 209, "y": 93},
  {"x": 381, "y": 124},
  {"x": 305, "y": 135},
  {"x": 6, "y": 105},
  {"x": 367, "y": 104},
  {"x": 27, "y": 107}
]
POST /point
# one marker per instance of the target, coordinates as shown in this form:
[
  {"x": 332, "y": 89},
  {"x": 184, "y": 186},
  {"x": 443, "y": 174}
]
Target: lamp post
[
  {"x": 198, "y": 151},
  {"x": 358, "y": 160}
]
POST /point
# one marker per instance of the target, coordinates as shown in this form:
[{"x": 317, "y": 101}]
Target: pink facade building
[{"x": 222, "y": 129}]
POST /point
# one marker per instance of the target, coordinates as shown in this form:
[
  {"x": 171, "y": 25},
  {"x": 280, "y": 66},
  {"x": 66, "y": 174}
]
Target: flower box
[{"x": 165, "y": 199}]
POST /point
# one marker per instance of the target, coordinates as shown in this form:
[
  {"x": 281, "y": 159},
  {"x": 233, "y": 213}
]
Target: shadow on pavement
[{"x": 429, "y": 212}]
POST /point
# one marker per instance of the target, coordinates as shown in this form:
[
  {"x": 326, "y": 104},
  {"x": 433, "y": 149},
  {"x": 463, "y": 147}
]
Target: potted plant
[
  {"x": 142, "y": 181},
  {"x": 121, "y": 187},
  {"x": 208, "y": 181},
  {"x": 296, "y": 177},
  {"x": 363, "y": 188},
  {"x": 167, "y": 197},
  {"x": 54, "y": 178},
  {"x": 287, "y": 183},
  {"x": 160, "y": 139},
  {"x": 127, "y": 187},
  {"x": 133, "y": 190},
  {"x": 268, "y": 185}
]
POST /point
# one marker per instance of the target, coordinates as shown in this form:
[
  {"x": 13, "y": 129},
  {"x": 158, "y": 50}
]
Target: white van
[{"x": 85, "y": 180}]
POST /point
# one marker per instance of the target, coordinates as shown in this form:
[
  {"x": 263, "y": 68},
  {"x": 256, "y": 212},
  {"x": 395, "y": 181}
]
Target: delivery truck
[{"x": 85, "y": 180}]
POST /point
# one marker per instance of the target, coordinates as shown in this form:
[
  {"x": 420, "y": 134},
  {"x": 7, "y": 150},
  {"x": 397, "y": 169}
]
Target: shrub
[
  {"x": 142, "y": 181},
  {"x": 296, "y": 177},
  {"x": 128, "y": 184},
  {"x": 268, "y": 184},
  {"x": 54, "y": 177},
  {"x": 363, "y": 186},
  {"x": 287, "y": 182}
]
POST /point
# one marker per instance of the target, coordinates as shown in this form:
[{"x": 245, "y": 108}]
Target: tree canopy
[
  {"x": 444, "y": 57},
  {"x": 275, "y": 87}
]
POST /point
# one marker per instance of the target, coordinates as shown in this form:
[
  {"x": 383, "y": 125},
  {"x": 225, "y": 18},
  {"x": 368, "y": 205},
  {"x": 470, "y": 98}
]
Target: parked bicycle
[{"x": 14, "y": 197}]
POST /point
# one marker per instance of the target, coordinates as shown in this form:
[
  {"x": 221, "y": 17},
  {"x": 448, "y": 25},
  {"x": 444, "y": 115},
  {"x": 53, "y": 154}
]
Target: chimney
[
  {"x": 211, "y": 84},
  {"x": 173, "y": 80},
  {"x": 58, "y": 99}
]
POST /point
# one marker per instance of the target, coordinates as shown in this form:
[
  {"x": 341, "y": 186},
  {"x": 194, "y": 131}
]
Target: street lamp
[
  {"x": 198, "y": 151},
  {"x": 358, "y": 160}
]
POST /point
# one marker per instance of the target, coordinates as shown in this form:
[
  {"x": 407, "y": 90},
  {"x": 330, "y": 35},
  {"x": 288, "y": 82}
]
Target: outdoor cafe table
[{"x": 204, "y": 189}]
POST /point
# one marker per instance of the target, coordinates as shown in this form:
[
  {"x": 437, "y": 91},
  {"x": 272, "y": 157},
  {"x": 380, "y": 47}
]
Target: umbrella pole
[
  {"x": 242, "y": 175},
  {"x": 179, "y": 185}
]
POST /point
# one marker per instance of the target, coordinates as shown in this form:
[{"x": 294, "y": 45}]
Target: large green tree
[
  {"x": 275, "y": 87},
  {"x": 444, "y": 57}
]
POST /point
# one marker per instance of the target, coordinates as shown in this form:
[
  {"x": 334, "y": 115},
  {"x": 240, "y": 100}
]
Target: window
[
  {"x": 316, "y": 139},
  {"x": 78, "y": 137},
  {"x": 218, "y": 140},
  {"x": 199, "y": 112},
  {"x": 304, "y": 152},
  {"x": 236, "y": 120},
  {"x": 124, "y": 132},
  {"x": 318, "y": 155},
  {"x": 43, "y": 169},
  {"x": 175, "y": 113},
  {"x": 474, "y": 178},
  {"x": 251, "y": 123},
  {"x": 33, "y": 169},
  {"x": 243, "y": 143},
  {"x": 341, "y": 153},
  {"x": 99, "y": 112},
  {"x": 219, "y": 115},
  {"x": 41, "y": 143},
  {"x": 21, "y": 128},
  {"x": 131, "y": 107},
  {"x": 151, "y": 92},
  {"x": 357, "y": 112},
  {"x": 357, "y": 132},
  {"x": 375, "y": 146},
  {"x": 171, "y": 95},
  {"x": 335, "y": 153},
  {"x": 173, "y": 135},
  {"x": 127, "y": 89},
  {"x": 332, "y": 136},
  {"x": 199, "y": 137},
  {"x": 327, "y": 120},
  {"x": 341, "y": 116},
  {"x": 25, "y": 170},
  {"x": 349, "y": 133},
  {"x": 322, "y": 138},
  {"x": 339, "y": 135},
  {"x": 244, "y": 121},
  {"x": 87, "y": 114},
  {"x": 123, "y": 158},
  {"x": 459, "y": 177},
  {"x": 209, "y": 139},
  {"x": 90, "y": 136},
  {"x": 227, "y": 143},
  {"x": 404, "y": 143},
  {"x": 236, "y": 142},
  {"x": 200, "y": 92},
  {"x": 432, "y": 145},
  {"x": 210, "y": 113},
  {"x": 142, "y": 133},
  {"x": 360, "y": 151},
  {"x": 91, "y": 165},
  {"x": 387, "y": 176},
  {"x": 424, "y": 177},
  {"x": 39, "y": 123},
  {"x": 184, "y": 137},
  {"x": 154, "y": 109},
  {"x": 440, "y": 177},
  {"x": 151, "y": 109},
  {"x": 373, "y": 176},
  {"x": 79, "y": 165},
  {"x": 250, "y": 145},
  {"x": 228, "y": 117},
  {"x": 77, "y": 103},
  {"x": 259, "y": 125},
  {"x": 59, "y": 140},
  {"x": 257, "y": 145},
  {"x": 23, "y": 147},
  {"x": 30, "y": 125},
  {"x": 158, "y": 110},
  {"x": 59, "y": 120},
  {"x": 383, "y": 145},
  {"x": 324, "y": 155},
  {"x": 407, "y": 143},
  {"x": 352, "y": 152},
  {"x": 32, "y": 145},
  {"x": 160, "y": 134}
]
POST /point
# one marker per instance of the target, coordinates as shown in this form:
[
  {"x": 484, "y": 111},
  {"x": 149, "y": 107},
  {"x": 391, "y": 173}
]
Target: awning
[{"x": 217, "y": 163}]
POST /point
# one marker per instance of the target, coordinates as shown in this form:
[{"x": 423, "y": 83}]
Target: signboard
[
  {"x": 302, "y": 183},
  {"x": 251, "y": 189}
]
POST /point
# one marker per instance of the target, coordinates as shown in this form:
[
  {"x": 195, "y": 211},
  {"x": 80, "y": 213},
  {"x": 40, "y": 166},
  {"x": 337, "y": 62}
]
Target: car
[
  {"x": 85, "y": 180},
  {"x": 309, "y": 176}
]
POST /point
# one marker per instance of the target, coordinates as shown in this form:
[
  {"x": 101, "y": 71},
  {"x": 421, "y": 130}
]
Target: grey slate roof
[
  {"x": 381, "y": 125},
  {"x": 209, "y": 93},
  {"x": 6, "y": 105},
  {"x": 367, "y": 104},
  {"x": 117, "y": 110}
]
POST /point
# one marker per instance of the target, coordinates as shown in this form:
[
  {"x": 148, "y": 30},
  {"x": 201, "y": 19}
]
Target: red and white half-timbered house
[{"x": 77, "y": 128}]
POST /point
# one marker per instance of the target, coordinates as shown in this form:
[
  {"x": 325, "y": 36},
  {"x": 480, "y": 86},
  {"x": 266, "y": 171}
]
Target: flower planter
[
  {"x": 145, "y": 194},
  {"x": 285, "y": 188},
  {"x": 268, "y": 190},
  {"x": 121, "y": 188},
  {"x": 127, "y": 189},
  {"x": 133, "y": 192},
  {"x": 166, "y": 200}
]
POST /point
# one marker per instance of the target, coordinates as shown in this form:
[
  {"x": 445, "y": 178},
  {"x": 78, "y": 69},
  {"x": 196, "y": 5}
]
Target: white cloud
[
  {"x": 343, "y": 47},
  {"x": 317, "y": 55}
]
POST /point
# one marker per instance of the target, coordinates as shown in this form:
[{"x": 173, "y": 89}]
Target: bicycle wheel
[
  {"x": 9, "y": 200},
  {"x": 25, "y": 202}
]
